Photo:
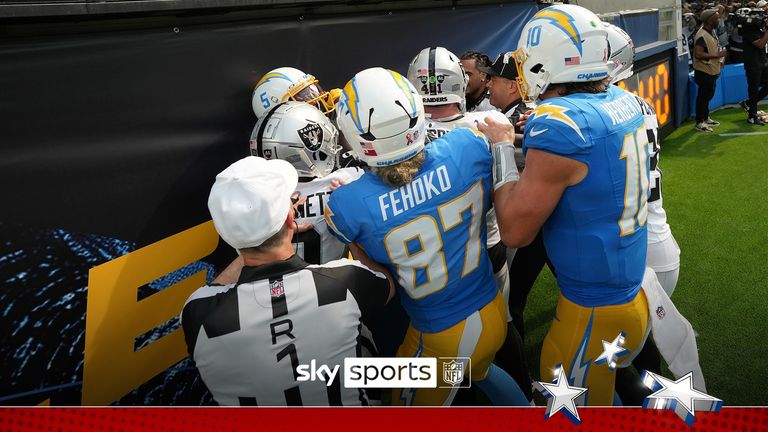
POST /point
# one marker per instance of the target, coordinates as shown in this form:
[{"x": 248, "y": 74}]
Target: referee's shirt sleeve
[{"x": 369, "y": 288}]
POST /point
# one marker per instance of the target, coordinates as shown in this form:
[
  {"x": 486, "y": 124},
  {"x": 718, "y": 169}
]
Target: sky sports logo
[{"x": 391, "y": 372}]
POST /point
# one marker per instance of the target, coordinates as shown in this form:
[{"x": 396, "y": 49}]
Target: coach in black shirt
[
  {"x": 249, "y": 339},
  {"x": 756, "y": 67}
]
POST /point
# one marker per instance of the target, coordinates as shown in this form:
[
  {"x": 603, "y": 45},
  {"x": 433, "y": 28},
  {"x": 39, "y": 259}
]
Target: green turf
[{"x": 716, "y": 197}]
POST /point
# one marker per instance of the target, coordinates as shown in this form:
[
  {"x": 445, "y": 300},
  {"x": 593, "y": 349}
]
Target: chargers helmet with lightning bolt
[
  {"x": 287, "y": 83},
  {"x": 382, "y": 117},
  {"x": 561, "y": 44}
]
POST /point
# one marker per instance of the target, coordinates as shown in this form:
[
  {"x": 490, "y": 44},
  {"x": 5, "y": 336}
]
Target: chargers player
[
  {"x": 300, "y": 134},
  {"x": 586, "y": 182},
  {"x": 438, "y": 76},
  {"x": 290, "y": 84},
  {"x": 421, "y": 212}
]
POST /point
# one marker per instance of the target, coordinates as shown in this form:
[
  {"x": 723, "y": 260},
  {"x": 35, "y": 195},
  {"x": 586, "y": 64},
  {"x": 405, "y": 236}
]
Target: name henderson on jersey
[{"x": 420, "y": 190}]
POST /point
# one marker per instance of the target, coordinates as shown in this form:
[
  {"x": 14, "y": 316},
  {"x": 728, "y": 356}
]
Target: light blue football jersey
[
  {"x": 596, "y": 237},
  {"x": 430, "y": 233}
]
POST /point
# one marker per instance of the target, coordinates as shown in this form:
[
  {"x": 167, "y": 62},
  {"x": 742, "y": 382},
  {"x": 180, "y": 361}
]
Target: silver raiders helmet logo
[{"x": 312, "y": 136}]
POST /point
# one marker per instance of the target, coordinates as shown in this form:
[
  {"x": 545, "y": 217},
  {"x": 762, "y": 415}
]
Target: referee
[{"x": 247, "y": 339}]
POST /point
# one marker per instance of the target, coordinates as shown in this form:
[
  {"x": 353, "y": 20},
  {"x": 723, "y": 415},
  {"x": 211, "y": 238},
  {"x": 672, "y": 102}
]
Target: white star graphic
[
  {"x": 612, "y": 351},
  {"x": 561, "y": 395},
  {"x": 679, "y": 396}
]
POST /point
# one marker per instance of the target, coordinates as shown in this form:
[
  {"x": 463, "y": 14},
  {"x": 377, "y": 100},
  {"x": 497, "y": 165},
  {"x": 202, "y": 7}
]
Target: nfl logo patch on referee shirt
[{"x": 276, "y": 288}]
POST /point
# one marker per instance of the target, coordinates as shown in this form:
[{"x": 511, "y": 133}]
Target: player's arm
[
  {"x": 341, "y": 229},
  {"x": 359, "y": 254},
  {"x": 761, "y": 42},
  {"x": 522, "y": 207},
  {"x": 523, "y": 203}
]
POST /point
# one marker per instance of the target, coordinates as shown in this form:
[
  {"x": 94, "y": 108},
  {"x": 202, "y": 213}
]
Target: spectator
[
  {"x": 722, "y": 29},
  {"x": 706, "y": 64},
  {"x": 735, "y": 49},
  {"x": 689, "y": 29}
]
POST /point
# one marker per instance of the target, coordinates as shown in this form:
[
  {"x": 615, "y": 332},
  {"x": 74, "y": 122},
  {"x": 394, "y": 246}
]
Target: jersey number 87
[{"x": 416, "y": 247}]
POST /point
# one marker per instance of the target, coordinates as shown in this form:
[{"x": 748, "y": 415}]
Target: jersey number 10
[
  {"x": 635, "y": 154},
  {"x": 417, "y": 246}
]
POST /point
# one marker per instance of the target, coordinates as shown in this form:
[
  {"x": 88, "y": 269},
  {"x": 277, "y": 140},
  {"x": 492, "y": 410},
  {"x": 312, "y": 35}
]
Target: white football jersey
[
  {"x": 483, "y": 106},
  {"x": 318, "y": 246},
  {"x": 658, "y": 228},
  {"x": 249, "y": 339},
  {"x": 438, "y": 128}
]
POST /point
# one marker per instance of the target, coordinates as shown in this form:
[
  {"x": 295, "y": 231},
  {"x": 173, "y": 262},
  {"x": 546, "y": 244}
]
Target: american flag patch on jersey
[
  {"x": 571, "y": 61},
  {"x": 276, "y": 288}
]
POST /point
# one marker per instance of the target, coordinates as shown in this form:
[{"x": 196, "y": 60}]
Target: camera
[{"x": 751, "y": 19}]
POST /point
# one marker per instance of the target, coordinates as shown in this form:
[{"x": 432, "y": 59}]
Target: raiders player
[
  {"x": 663, "y": 254},
  {"x": 439, "y": 78},
  {"x": 300, "y": 134}
]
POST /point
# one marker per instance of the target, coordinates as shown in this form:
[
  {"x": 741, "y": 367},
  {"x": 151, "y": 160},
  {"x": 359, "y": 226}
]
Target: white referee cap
[{"x": 250, "y": 200}]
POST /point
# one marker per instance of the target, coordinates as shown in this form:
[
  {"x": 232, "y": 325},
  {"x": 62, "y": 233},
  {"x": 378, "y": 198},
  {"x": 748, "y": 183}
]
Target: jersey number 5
[
  {"x": 416, "y": 248},
  {"x": 635, "y": 154}
]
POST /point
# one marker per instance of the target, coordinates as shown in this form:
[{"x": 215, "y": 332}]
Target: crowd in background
[{"x": 727, "y": 33}]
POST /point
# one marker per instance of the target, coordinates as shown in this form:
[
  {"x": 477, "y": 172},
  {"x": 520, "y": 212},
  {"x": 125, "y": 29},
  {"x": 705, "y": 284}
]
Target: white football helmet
[
  {"x": 300, "y": 134},
  {"x": 287, "y": 83},
  {"x": 561, "y": 44},
  {"x": 622, "y": 53},
  {"x": 438, "y": 76},
  {"x": 382, "y": 117}
]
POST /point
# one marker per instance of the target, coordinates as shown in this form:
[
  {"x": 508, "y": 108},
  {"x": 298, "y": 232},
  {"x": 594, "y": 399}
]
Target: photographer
[
  {"x": 754, "y": 33},
  {"x": 706, "y": 64}
]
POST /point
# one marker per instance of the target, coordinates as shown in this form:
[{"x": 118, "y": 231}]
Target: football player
[
  {"x": 663, "y": 255},
  {"x": 289, "y": 84},
  {"x": 663, "y": 251},
  {"x": 585, "y": 182},
  {"x": 421, "y": 212},
  {"x": 439, "y": 78},
  {"x": 301, "y": 135}
]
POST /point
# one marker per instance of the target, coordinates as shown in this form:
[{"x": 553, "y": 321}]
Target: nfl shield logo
[
  {"x": 276, "y": 288},
  {"x": 453, "y": 372},
  {"x": 660, "y": 312}
]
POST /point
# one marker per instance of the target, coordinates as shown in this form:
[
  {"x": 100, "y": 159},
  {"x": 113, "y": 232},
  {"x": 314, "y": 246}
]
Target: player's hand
[
  {"x": 722, "y": 53},
  {"x": 337, "y": 183},
  {"x": 523, "y": 120},
  {"x": 497, "y": 132},
  {"x": 300, "y": 228}
]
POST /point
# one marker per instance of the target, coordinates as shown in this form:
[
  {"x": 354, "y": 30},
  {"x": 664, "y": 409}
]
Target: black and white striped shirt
[{"x": 247, "y": 339}]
